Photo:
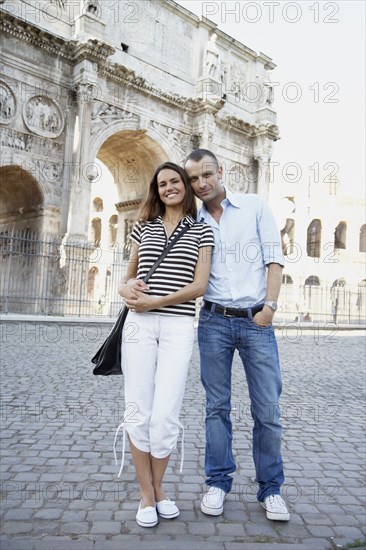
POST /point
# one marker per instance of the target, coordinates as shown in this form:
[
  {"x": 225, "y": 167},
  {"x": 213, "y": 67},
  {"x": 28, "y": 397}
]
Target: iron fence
[{"x": 48, "y": 276}]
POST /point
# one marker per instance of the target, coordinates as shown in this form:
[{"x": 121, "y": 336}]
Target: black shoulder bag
[{"x": 108, "y": 358}]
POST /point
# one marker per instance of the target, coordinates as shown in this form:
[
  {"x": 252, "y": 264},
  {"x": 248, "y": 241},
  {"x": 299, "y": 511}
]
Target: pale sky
[{"x": 323, "y": 52}]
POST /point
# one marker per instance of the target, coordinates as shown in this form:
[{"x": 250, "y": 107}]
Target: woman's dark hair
[{"x": 153, "y": 206}]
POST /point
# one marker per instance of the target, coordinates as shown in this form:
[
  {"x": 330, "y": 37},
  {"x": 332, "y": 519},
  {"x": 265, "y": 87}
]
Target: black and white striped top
[{"x": 177, "y": 269}]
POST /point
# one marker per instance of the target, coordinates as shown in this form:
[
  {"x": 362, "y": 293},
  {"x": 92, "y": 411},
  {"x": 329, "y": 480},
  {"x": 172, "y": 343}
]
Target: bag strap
[{"x": 165, "y": 252}]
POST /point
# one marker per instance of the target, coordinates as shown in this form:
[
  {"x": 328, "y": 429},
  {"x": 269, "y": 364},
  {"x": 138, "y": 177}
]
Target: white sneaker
[
  {"x": 213, "y": 501},
  {"x": 276, "y": 508}
]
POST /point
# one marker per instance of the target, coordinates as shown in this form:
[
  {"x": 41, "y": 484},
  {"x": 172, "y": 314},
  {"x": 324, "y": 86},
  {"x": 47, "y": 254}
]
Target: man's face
[{"x": 205, "y": 178}]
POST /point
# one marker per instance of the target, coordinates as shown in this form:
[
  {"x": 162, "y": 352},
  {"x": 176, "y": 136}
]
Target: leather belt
[{"x": 231, "y": 311}]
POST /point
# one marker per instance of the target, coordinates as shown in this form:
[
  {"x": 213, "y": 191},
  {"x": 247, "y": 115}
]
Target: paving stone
[
  {"x": 19, "y": 514},
  {"x": 350, "y": 533},
  {"x": 321, "y": 531},
  {"x": 105, "y": 527},
  {"x": 198, "y": 528},
  {"x": 17, "y": 527},
  {"x": 352, "y": 545},
  {"x": 73, "y": 516},
  {"x": 76, "y": 528},
  {"x": 231, "y": 529},
  {"x": 48, "y": 513}
]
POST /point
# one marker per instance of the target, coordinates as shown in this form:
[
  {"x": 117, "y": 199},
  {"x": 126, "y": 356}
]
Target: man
[{"x": 237, "y": 313}]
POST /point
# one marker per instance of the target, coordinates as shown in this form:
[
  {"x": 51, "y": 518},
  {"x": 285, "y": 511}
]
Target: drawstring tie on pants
[{"x": 123, "y": 427}]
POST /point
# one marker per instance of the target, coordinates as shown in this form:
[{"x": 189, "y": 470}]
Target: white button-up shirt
[{"x": 246, "y": 240}]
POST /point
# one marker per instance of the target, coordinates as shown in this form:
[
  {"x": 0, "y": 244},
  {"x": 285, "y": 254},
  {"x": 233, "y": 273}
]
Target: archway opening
[
  {"x": 124, "y": 166},
  {"x": 132, "y": 157},
  {"x": 21, "y": 200}
]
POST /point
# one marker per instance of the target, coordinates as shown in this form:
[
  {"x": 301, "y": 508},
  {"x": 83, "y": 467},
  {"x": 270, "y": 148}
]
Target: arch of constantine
[{"x": 129, "y": 84}]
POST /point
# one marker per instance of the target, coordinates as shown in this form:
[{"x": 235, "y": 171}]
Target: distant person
[{"x": 237, "y": 312}]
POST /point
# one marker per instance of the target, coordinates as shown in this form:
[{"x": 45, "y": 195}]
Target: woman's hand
[
  {"x": 142, "y": 302},
  {"x": 132, "y": 289}
]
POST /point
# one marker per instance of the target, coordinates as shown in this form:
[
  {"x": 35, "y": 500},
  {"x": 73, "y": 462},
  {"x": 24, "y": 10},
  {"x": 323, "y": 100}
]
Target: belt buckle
[{"x": 227, "y": 314}]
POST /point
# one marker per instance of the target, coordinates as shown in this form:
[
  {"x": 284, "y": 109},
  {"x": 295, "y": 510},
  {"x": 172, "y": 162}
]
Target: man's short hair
[{"x": 199, "y": 154}]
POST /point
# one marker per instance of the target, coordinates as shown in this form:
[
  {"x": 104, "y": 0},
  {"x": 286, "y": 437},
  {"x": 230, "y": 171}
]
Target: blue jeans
[{"x": 218, "y": 338}]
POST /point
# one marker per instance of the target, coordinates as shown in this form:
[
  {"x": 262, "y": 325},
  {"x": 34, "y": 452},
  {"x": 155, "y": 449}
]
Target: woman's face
[{"x": 171, "y": 188}]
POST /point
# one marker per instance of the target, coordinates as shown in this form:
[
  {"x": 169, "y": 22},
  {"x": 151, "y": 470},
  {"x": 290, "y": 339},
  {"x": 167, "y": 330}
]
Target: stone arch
[
  {"x": 287, "y": 279},
  {"x": 312, "y": 295},
  {"x": 22, "y": 200},
  {"x": 362, "y": 243},
  {"x": 131, "y": 156},
  {"x": 340, "y": 235},
  {"x": 97, "y": 204},
  {"x": 113, "y": 226},
  {"x": 93, "y": 282},
  {"x": 96, "y": 230},
  {"x": 314, "y": 235},
  {"x": 312, "y": 280}
]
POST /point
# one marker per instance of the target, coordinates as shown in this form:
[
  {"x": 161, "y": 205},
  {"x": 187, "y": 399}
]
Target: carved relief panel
[
  {"x": 7, "y": 104},
  {"x": 238, "y": 178},
  {"x": 177, "y": 139},
  {"x": 43, "y": 116},
  {"x": 104, "y": 113}
]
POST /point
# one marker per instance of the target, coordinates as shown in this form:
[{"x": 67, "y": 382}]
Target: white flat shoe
[
  {"x": 167, "y": 509},
  {"x": 146, "y": 517}
]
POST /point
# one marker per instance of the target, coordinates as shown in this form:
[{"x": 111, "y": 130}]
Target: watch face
[{"x": 272, "y": 305}]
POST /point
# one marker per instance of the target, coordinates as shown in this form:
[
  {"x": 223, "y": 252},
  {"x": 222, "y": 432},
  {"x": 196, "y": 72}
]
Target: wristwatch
[{"x": 272, "y": 305}]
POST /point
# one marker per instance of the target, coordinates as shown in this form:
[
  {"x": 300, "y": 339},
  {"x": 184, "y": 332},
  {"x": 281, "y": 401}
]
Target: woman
[{"x": 158, "y": 336}]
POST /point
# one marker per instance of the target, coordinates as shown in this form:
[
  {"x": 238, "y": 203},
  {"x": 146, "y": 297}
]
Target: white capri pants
[{"x": 156, "y": 353}]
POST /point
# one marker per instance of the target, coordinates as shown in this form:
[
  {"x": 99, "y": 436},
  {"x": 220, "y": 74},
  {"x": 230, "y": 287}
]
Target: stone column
[
  {"x": 262, "y": 153},
  {"x": 79, "y": 254},
  {"x": 127, "y": 210},
  {"x": 82, "y": 170},
  {"x": 204, "y": 129}
]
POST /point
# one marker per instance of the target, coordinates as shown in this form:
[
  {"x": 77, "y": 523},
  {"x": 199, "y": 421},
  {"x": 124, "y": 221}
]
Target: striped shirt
[{"x": 177, "y": 269}]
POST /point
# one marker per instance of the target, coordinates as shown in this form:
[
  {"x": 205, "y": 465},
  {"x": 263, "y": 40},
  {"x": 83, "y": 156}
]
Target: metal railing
[
  {"x": 324, "y": 303},
  {"x": 47, "y": 276}
]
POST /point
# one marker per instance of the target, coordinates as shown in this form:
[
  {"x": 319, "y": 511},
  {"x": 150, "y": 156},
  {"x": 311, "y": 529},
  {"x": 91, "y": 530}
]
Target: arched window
[
  {"x": 314, "y": 236},
  {"x": 96, "y": 231},
  {"x": 129, "y": 223},
  {"x": 363, "y": 238},
  {"x": 98, "y": 204},
  {"x": 113, "y": 225},
  {"x": 92, "y": 280},
  {"x": 361, "y": 296},
  {"x": 313, "y": 280},
  {"x": 287, "y": 237},
  {"x": 339, "y": 282},
  {"x": 338, "y": 295},
  {"x": 287, "y": 279},
  {"x": 340, "y": 235},
  {"x": 108, "y": 282}
]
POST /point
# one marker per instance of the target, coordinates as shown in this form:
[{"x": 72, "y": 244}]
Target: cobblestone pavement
[{"x": 60, "y": 488}]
